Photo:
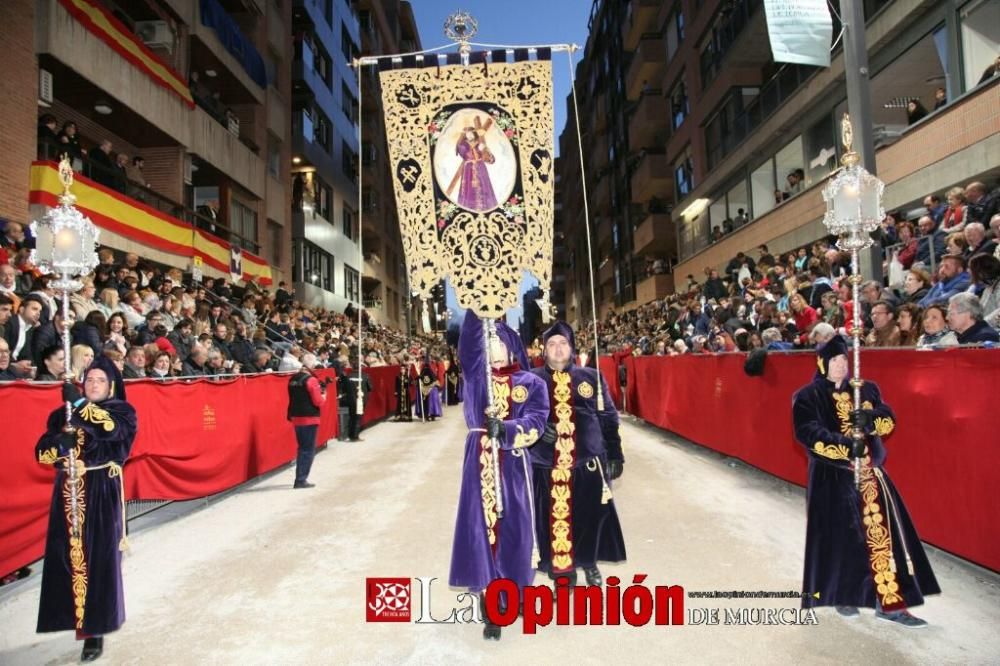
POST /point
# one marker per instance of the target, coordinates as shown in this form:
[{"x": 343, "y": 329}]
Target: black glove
[
  {"x": 864, "y": 420},
  {"x": 70, "y": 392},
  {"x": 549, "y": 436},
  {"x": 615, "y": 468},
  {"x": 494, "y": 428},
  {"x": 858, "y": 448},
  {"x": 67, "y": 440}
]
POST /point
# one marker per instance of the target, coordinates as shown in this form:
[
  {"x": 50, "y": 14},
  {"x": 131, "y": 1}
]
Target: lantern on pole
[
  {"x": 65, "y": 245},
  {"x": 853, "y": 212}
]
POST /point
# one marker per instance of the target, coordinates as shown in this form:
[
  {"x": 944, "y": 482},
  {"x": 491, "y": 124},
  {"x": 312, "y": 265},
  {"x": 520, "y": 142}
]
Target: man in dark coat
[
  {"x": 861, "y": 547},
  {"x": 453, "y": 377},
  {"x": 573, "y": 465},
  {"x": 81, "y": 577},
  {"x": 404, "y": 410},
  {"x": 348, "y": 389}
]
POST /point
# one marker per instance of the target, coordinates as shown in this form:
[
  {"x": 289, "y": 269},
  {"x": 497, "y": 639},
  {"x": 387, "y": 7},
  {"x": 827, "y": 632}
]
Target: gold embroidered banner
[{"x": 471, "y": 152}]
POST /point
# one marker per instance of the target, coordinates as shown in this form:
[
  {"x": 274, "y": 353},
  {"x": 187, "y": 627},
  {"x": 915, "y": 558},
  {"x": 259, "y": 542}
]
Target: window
[
  {"x": 348, "y": 103},
  {"x": 980, "y": 40},
  {"x": 324, "y": 198},
  {"x": 684, "y": 174},
  {"x": 678, "y": 102},
  {"x": 349, "y": 161},
  {"x": 315, "y": 265},
  {"x": 273, "y": 156},
  {"x": 352, "y": 284},
  {"x": 347, "y": 47},
  {"x": 762, "y": 190},
  {"x": 820, "y": 146},
  {"x": 788, "y": 164},
  {"x": 348, "y": 220},
  {"x": 323, "y": 66},
  {"x": 243, "y": 222},
  {"x": 274, "y": 244},
  {"x": 322, "y": 130},
  {"x": 674, "y": 32}
]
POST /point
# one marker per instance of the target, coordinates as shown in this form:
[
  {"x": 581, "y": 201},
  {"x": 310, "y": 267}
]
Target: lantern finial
[{"x": 850, "y": 158}]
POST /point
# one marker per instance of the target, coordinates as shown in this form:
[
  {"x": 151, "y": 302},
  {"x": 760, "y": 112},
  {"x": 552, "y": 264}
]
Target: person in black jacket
[
  {"x": 348, "y": 384},
  {"x": 965, "y": 318},
  {"x": 92, "y": 331},
  {"x": 306, "y": 396},
  {"x": 48, "y": 335}
]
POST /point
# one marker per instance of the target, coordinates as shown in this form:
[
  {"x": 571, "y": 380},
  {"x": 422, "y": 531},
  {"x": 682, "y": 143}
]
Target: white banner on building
[{"x": 801, "y": 31}]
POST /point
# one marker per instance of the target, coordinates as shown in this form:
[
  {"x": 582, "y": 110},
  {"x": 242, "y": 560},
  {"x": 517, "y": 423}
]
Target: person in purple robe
[
  {"x": 574, "y": 464},
  {"x": 475, "y": 191},
  {"x": 82, "y": 576},
  {"x": 428, "y": 403},
  {"x": 488, "y": 545}
]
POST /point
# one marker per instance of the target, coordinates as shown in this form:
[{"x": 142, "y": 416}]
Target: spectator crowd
[
  {"x": 943, "y": 289},
  {"x": 153, "y": 324}
]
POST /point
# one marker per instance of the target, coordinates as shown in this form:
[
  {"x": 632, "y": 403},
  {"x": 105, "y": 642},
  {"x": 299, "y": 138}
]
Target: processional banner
[{"x": 471, "y": 153}]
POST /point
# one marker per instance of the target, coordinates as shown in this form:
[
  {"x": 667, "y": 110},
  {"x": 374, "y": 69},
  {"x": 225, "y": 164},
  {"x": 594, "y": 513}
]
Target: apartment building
[
  {"x": 692, "y": 132},
  {"x": 198, "y": 89}
]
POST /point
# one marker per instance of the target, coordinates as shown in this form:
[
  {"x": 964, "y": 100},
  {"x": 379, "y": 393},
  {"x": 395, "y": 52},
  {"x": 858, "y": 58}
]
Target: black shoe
[
  {"x": 491, "y": 632},
  {"x": 902, "y": 617},
  {"x": 848, "y": 611},
  {"x": 304, "y": 484},
  {"x": 92, "y": 649},
  {"x": 357, "y": 439},
  {"x": 593, "y": 576}
]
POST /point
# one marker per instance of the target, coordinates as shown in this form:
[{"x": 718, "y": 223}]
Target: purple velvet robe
[
  {"x": 428, "y": 394},
  {"x": 476, "y": 190},
  {"x": 842, "y": 550},
  {"x": 487, "y": 547},
  {"x": 108, "y": 428}
]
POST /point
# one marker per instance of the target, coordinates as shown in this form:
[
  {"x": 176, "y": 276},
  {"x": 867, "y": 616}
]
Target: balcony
[
  {"x": 598, "y": 152},
  {"x": 651, "y": 178},
  {"x": 650, "y": 124},
  {"x": 604, "y": 234},
  {"x": 599, "y": 112},
  {"x": 649, "y": 63},
  {"x": 641, "y": 18},
  {"x": 655, "y": 235},
  {"x": 606, "y": 273},
  {"x": 601, "y": 194},
  {"x": 654, "y": 287}
]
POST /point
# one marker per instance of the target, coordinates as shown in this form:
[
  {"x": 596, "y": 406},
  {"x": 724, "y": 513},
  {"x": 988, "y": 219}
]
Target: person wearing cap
[
  {"x": 489, "y": 544},
  {"x": 81, "y": 576},
  {"x": 861, "y": 547},
  {"x": 306, "y": 396},
  {"x": 573, "y": 465}
]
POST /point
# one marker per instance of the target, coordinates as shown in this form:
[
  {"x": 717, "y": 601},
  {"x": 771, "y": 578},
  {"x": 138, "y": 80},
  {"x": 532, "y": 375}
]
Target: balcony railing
[
  {"x": 724, "y": 34},
  {"x": 116, "y": 180},
  {"x": 771, "y": 96}
]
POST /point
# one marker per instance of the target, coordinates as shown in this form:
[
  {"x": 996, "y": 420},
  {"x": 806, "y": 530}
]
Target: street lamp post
[
  {"x": 854, "y": 210},
  {"x": 64, "y": 245}
]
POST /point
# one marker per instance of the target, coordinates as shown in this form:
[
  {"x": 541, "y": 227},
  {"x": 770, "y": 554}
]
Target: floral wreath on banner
[{"x": 501, "y": 117}]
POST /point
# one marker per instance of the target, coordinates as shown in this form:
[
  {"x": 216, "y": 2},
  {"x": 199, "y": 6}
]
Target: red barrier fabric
[
  {"x": 195, "y": 438},
  {"x": 609, "y": 372},
  {"x": 382, "y": 400},
  {"x": 942, "y": 455}
]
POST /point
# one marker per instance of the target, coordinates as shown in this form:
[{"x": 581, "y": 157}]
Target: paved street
[{"x": 268, "y": 575}]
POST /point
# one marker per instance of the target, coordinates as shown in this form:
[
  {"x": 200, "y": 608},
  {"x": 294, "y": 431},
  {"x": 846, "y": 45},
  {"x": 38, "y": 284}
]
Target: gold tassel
[
  {"x": 123, "y": 545},
  {"x": 605, "y": 494},
  {"x": 892, "y": 564},
  {"x": 535, "y": 557},
  {"x": 909, "y": 566}
]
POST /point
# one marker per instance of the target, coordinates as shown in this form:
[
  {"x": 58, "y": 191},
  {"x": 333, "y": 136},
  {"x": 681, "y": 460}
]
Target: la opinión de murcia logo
[{"x": 388, "y": 600}]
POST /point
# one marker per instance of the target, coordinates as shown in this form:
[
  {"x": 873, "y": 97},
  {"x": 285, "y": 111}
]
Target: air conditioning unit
[
  {"x": 188, "y": 170},
  {"x": 156, "y": 35},
  {"x": 44, "y": 88}
]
